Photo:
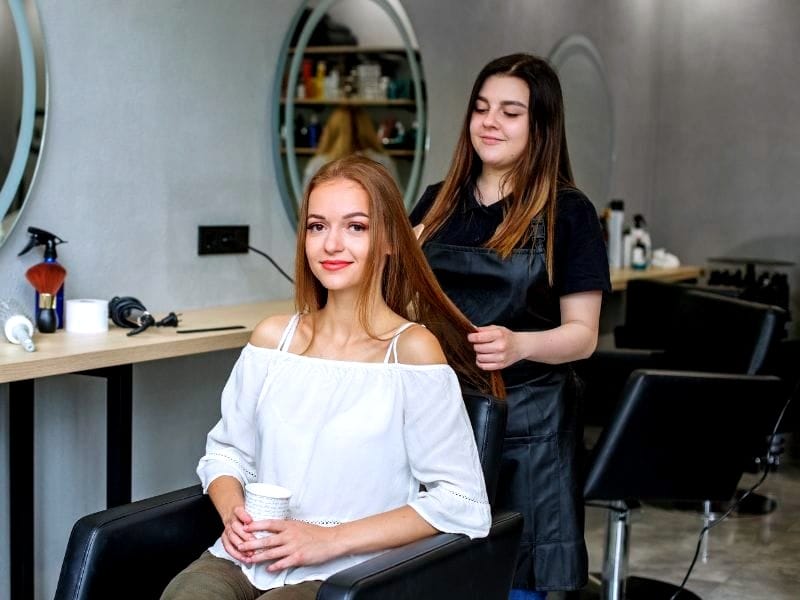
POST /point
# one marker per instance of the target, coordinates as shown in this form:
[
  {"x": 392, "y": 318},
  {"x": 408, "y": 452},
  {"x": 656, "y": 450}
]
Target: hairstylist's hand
[
  {"x": 292, "y": 544},
  {"x": 496, "y": 347},
  {"x": 418, "y": 230},
  {"x": 235, "y": 532}
]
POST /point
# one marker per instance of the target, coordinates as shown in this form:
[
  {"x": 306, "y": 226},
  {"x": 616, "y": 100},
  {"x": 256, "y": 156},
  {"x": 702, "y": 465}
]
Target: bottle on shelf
[
  {"x": 308, "y": 79},
  {"x": 350, "y": 87},
  {"x": 314, "y": 131},
  {"x": 637, "y": 237},
  {"x": 616, "y": 217},
  {"x": 639, "y": 255},
  {"x": 369, "y": 81},
  {"x": 319, "y": 81},
  {"x": 300, "y": 132},
  {"x": 332, "y": 85}
]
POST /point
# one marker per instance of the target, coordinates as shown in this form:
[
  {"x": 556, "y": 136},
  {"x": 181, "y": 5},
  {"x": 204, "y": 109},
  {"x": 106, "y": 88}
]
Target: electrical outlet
[{"x": 223, "y": 239}]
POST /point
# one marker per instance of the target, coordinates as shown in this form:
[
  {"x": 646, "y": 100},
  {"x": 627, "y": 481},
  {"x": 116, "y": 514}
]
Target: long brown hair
[
  {"x": 407, "y": 283},
  {"x": 536, "y": 177},
  {"x": 348, "y": 130}
]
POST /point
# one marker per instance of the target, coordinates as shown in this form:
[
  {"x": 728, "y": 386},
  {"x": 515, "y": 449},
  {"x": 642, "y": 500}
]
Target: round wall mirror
[
  {"x": 22, "y": 106},
  {"x": 349, "y": 81},
  {"x": 589, "y": 115}
]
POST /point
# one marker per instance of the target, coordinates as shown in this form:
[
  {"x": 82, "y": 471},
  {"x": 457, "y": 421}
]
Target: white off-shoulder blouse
[{"x": 350, "y": 440}]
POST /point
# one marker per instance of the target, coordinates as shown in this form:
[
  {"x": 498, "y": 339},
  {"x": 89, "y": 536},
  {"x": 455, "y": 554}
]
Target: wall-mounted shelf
[
  {"x": 402, "y": 102},
  {"x": 352, "y": 50},
  {"x": 311, "y": 151}
]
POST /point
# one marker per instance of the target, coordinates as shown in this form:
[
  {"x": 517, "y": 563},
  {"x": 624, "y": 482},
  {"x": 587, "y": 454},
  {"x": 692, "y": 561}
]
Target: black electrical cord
[
  {"x": 122, "y": 308},
  {"x": 738, "y": 501},
  {"x": 274, "y": 264},
  {"x": 235, "y": 243}
]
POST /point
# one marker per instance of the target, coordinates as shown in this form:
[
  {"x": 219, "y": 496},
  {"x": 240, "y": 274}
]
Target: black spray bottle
[{"x": 40, "y": 237}]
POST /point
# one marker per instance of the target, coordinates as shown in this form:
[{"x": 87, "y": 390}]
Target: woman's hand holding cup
[
  {"x": 263, "y": 503},
  {"x": 235, "y": 533}
]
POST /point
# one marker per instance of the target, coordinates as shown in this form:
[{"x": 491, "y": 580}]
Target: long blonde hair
[
  {"x": 407, "y": 284},
  {"x": 348, "y": 130},
  {"x": 537, "y": 176}
]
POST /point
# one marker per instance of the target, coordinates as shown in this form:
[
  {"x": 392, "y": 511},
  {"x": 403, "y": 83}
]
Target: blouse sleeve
[
  {"x": 443, "y": 456},
  {"x": 230, "y": 445}
]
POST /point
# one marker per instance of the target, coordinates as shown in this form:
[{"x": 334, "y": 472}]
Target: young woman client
[{"x": 349, "y": 403}]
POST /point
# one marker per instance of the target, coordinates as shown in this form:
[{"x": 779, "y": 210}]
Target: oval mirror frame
[
  {"x": 291, "y": 191},
  {"x": 32, "y": 120},
  {"x": 589, "y": 115}
]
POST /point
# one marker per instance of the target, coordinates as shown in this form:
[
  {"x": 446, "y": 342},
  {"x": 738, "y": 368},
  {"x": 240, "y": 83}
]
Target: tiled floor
[{"x": 749, "y": 557}]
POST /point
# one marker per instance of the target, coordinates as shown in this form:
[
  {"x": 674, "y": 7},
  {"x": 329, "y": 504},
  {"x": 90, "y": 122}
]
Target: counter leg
[
  {"x": 21, "y": 492},
  {"x": 119, "y": 429},
  {"x": 119, "y": 432}
]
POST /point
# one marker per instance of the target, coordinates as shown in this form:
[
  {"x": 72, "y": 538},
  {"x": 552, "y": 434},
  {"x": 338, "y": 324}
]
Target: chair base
[
  {"x": 753, "y": 505},
  {"x": 636, "y": 588}
]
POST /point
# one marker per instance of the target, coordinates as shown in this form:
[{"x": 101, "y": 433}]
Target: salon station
[{"x": 159, "y": 151}]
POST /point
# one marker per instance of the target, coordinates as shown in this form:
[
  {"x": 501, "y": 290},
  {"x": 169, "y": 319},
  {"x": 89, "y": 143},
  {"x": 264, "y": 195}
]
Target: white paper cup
[{"x": 266, "y": 501}]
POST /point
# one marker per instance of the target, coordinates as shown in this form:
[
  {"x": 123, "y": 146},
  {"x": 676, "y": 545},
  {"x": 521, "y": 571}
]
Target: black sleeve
[
  {"x": 581, "y": 258},
  {"x": 424, "y": 204}
]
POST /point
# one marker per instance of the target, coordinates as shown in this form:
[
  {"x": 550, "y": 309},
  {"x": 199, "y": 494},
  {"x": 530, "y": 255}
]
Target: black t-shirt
[{"x": 580, "y": 260}]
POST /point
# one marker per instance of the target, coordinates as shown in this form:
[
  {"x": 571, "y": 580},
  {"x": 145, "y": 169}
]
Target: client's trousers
[{"x": 212, "y": 578}]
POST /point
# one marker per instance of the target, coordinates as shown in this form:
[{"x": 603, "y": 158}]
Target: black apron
[{"x": 540, "y": 473}]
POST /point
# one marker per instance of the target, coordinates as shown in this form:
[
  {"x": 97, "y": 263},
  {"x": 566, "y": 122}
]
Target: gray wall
[
  {"x": 727, "y": 166},
  {"x": 159, "y": 122}
]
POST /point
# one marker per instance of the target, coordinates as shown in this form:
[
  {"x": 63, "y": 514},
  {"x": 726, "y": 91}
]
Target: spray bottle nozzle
[{"x": 40, "y": 237}]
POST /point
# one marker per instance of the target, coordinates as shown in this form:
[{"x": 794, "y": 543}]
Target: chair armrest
[
  {"x": 143, "y": 544},
  {"x": 146, "y": 543},
  {"x": 443, "y": 566}
]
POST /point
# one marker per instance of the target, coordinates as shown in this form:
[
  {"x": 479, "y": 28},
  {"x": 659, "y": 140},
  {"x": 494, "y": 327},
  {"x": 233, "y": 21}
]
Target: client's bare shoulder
[
  {"x": 267, "y": 334},
  {"x": 418, "y": 346}
]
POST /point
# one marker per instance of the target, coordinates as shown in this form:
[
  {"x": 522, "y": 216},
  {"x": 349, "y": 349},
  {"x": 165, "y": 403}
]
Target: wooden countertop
[
  {"x": 62, "y": 352},
  {"x": 621, "y": 277}
]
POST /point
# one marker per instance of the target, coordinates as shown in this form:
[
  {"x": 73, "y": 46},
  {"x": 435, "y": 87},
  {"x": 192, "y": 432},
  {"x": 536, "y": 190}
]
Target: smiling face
[
  {"x": 499, "y": 124},
  {"x": 337, "y": 238}
]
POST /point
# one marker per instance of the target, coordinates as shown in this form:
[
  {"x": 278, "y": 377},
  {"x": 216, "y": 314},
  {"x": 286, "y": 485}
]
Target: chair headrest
[{"x": 710, "y": 332}]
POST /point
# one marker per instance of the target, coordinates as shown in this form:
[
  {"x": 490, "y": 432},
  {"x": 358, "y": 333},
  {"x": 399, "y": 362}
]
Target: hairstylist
[{"x": 519, "y": 250}]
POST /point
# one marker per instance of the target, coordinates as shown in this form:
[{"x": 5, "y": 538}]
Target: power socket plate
[{"x": 223, "y": 239}]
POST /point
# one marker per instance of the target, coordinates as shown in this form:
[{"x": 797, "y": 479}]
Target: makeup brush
[{"x": 47, "y": 278}]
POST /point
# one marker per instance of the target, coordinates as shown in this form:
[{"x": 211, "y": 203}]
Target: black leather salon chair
[
  {"x": 700, "y": 331},
  {"x": 650, "y": 307},
  {"x": 146, "y": 543},
  {"x": 674, "y": 435}
]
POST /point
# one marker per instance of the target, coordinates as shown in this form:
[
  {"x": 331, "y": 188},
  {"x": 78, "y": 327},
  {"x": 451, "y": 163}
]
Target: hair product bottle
[
  {"x": 40, "y": 237},
  {"x": 615, "y": 221}
]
